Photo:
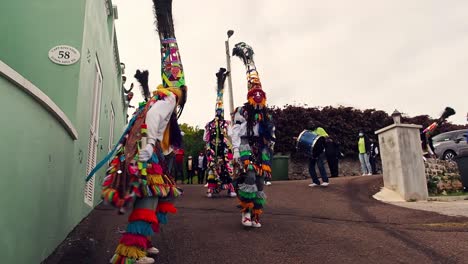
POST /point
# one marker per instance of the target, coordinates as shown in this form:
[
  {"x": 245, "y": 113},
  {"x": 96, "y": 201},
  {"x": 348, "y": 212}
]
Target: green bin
[
  {"x": 462, "y": 162},
  {"x": 279, "y": 167}
]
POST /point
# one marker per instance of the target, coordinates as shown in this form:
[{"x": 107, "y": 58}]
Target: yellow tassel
[
  {"x": 130, "y": 252},
  {"x": 154, "y": 179},
  {"x": 176, "y": 91},
  {"x": 165, "y": 141}
]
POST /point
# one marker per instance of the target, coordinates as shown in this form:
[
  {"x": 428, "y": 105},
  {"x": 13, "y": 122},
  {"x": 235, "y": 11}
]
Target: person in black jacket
[
  {"x": 190, "y": 166},
  {"x": 332, "y": 152},
  {"x": 202, "y": 164},
  {"x": 374, "y": 155}
]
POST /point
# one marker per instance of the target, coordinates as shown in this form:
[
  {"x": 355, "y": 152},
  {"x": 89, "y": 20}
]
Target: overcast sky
[{"x": 411, "y": 55}]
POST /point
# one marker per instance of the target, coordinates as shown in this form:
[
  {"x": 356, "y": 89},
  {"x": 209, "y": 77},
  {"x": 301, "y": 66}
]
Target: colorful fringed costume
[
  {"x": 138, "y": 172},
  {"x": 427, "y": 133},
  {"x": 253, "y": 141},
  {"x": 218, "y": 147}
]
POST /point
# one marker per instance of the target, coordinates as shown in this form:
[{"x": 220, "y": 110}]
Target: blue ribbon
[{"x": 111, "y": 153}]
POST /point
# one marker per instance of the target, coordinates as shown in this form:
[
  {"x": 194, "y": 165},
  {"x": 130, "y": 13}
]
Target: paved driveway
[{"x": 338, "y": 224}]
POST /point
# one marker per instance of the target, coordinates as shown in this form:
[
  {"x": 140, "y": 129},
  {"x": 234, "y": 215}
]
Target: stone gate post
[{"x": 402, "y": 161}]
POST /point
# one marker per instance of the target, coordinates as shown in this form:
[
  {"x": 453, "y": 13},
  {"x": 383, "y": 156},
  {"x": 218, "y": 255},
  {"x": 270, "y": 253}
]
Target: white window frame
[
  {"x": 109, "y": 8},
  {"x": 93, "y": 143},
  {"x": 111, "y": 126}
]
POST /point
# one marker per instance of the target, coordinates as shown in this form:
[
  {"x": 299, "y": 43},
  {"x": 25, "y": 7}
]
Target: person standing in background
[
  {"x": 190, "y": 170},
  {"x": 374, "y": 155},
  {"x": 364, "y": 149},
  {"x": 124, "y": 79},
  {"x": 318, "y": 157},
  {"x": 179, "y": 165},
  {"x": 201, "y": 167},
  {"x": 332, "y": 152}
]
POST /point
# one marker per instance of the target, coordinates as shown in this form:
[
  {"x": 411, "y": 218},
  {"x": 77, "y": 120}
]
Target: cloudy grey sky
[{"x": 411, "y": 55}]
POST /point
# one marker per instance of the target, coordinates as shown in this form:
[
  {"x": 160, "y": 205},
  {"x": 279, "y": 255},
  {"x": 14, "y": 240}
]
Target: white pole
[{"x": 228, "y": 59}]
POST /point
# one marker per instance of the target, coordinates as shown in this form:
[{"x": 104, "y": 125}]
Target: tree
[
  {"x": 342, "y": 123},
  {"x": 193, "y": 139}
]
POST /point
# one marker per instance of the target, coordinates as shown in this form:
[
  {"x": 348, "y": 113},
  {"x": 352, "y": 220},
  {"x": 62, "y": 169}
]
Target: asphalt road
[{"x": 341, "y": 223}]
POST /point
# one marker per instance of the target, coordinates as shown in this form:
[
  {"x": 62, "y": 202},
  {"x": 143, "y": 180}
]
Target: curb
[{"x": 447, "y": 198}]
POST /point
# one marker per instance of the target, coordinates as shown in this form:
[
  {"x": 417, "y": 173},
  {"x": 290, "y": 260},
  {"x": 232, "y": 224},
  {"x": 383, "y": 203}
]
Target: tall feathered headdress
[
  {"x": 172, "y": 73},
  {"x": 448, "y": 111},
  {"x": 221, "y": 79},
  {"x": 255, "y": 95},
  {"x": 142, "y": 77}
]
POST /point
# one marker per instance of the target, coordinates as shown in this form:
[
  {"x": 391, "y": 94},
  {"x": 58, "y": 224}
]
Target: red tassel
[
  {"x": 134, "y": 240},
  {"x": 166, "y": 207},
  {"x": 146, "y": 215},
  {"x": 115, "y": 198},
  {"x": 155, "y": 227},
  {"x": 154, "y": 169},
  {"x": 120, "y": 203},
  {"x": 115, "y": 162},
  {"x": 107, "y": 183}
]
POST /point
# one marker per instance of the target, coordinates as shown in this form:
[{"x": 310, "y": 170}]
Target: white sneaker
[
  {"x": 324, "y": 184},
  {"x": 206, "y": 185},
  {"x": 313, "y": 185},
  {"x": 122, "y": 210},
  {"x": 152, "y": 251},
  {"x": 209, "y": 195},
  {"x": 256, "y": 223},
  {"x": 232, "y": 194},
  {"x": 246, "y": 220},
  {"x": 364, "y": 174},
  {"x": 145, "y": 260},
  {"x": 268, "y": 183},
  {"x": 369, "y": 174}
]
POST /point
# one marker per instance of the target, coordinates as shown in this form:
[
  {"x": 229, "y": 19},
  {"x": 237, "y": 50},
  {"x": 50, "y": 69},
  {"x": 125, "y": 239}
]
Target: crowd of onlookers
[
  {"x": 368, "y": 150},
  {"x": 194, "y": 166}
]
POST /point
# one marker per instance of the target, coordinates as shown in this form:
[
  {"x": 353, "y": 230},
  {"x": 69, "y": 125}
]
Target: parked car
[{"x": 450, "y": 144}]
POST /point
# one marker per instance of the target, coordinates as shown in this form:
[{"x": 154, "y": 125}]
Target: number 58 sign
[{"x": 64, "y": 55}]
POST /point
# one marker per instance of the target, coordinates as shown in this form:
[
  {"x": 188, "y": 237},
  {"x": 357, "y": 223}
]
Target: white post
[
  {"x": 402, "y": 161},
  {"x": 228, "y": 60}
]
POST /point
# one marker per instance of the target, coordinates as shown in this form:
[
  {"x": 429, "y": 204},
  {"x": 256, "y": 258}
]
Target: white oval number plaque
[{"x": 64, "y": 55}]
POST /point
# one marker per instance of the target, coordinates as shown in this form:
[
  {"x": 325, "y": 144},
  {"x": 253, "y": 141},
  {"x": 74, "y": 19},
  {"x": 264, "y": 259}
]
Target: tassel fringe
[
  {"x": 130, "y": 252},
  {"x": 246, "y": 206},
  {"x": 129, "y": 239},
  {"x": 166, "y": 207},
  {"x": 247, "y": 195},
  {"x": 162, "y": 218},
  {"x": 117, "y": 259},
  {"x": 140, "y": 228},
  {"x": 140, "y": 214},
  {"x": 155, "y": 179}
]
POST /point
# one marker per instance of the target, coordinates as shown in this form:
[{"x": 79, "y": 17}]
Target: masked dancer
[
  {"x": 218, "y": 146},
  {"x": 253, "y": 140},
  {"x": 138, "y": 173},
  {"x": 428, "y": 133}
]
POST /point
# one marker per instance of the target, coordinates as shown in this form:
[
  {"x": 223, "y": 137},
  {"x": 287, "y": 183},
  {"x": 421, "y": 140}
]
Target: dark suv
[{"x": 450, "y": 144}]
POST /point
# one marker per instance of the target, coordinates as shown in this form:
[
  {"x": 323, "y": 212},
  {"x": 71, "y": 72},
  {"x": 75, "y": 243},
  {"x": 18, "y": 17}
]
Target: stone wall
[
  {"x": 442, "y": 177},
  {"x": 299, "y": 169}
]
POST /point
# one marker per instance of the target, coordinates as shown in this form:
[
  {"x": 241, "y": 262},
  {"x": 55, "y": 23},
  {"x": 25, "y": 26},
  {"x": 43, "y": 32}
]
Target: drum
[{"x": 307, "y": 143}]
